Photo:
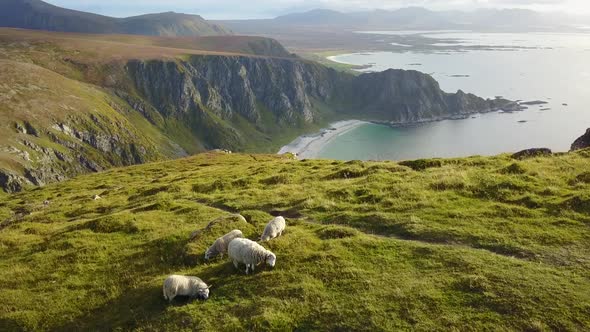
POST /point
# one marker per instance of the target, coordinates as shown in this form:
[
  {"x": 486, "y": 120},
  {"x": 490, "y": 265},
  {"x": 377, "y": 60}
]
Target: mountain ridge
[{"x": 37, "y": 14}]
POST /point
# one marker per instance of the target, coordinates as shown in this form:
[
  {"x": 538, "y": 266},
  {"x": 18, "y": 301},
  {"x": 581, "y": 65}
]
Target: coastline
[{"x": 309, "y": 146}]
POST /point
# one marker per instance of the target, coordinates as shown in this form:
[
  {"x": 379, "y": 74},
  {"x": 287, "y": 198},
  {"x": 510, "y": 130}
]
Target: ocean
[{"x": 551, "y": 67}]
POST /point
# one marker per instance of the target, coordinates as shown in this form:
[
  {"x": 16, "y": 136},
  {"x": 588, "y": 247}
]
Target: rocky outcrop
[
  {"x": 582, "y": 142},
  {"x": 530, "y": 153},
  {"x": 11, "y": 183}
]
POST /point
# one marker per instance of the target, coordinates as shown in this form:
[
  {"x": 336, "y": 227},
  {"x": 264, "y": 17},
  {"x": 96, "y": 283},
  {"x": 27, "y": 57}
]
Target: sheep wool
[
  {"x": 176, "y": 285},
  {"x": 273, "y": 229},
  {"x": 219, "y": 247},
  {"x": 249, "y": 253}
]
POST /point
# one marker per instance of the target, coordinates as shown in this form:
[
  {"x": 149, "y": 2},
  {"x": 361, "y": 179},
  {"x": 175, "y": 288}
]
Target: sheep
[
  {"x": 219, "y": 247},
  {"x": 273, "y": 229},
  {"x": 248, "y": 252},
  {"x": 193, "y": 287},
  {"x": 239, "y": 217}
]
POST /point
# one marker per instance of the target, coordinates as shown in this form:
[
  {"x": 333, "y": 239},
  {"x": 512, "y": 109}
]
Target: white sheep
[
  {"x": 193, "y": 287},
  {"x": 249, "y": 253},
  {"x": 219, "y": 247},
  {"x": 273, "y": 229}
]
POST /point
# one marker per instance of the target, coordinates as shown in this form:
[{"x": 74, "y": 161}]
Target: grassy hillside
[
  {"x": 109, "y": 47},
  {"x": 460, "y": 244}
]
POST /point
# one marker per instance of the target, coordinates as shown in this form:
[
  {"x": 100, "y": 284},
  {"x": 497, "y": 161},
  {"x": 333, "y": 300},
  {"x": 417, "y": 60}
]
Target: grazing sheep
[
  {"x": 250, "y": 253},
  {"x": 219, "y": 247},
  {"x": 193, "y": 287},
  {"x": 273, "y": 229},
  {"x": 96, "y": 197},
  {"x": 222, "y": 219}
]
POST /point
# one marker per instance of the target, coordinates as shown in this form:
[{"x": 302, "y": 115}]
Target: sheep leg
[
  {"x": 247, "y": 267},
  {"x": 235, "y": 263},
  {"x": 252, "y": 267}
]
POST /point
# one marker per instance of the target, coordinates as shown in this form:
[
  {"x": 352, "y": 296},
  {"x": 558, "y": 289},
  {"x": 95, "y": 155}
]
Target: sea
[{"x": 549, "y": 67}]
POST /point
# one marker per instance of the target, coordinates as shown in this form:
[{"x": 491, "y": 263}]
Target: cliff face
[{"x": 274, "y": 92}]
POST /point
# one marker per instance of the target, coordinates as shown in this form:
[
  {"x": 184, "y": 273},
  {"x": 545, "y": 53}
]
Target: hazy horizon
[{"x": 234, "y": 9}]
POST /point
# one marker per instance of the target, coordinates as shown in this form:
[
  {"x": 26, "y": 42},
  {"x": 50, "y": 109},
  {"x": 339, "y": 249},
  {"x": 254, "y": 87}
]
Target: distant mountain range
[
  {"x": 36, "y": 14},
  {"x": 422, "y": 18}
]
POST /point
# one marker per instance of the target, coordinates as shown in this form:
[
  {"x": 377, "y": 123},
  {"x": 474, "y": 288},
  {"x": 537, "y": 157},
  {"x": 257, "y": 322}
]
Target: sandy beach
[
  {"x": 334, "y": 58},
  {"x": 309, "y": 146}
]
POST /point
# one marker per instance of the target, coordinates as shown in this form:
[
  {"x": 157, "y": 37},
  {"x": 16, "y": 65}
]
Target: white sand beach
[{"x": 309, "y": 146}]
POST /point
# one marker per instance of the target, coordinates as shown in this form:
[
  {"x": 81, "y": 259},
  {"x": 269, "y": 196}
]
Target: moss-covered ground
[{"x": 457, "y": 244}]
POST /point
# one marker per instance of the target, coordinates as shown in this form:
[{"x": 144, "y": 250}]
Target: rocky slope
[
  {"x": 36, "y": 14},
  {"x": 90, "y": 115}
]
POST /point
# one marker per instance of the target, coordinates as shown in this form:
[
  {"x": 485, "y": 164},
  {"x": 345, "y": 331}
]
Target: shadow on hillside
[{"x": 125, "y": 312}]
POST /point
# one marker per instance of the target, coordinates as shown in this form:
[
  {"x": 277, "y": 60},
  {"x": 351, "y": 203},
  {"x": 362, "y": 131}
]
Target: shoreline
[{"x": 309, "y": 146}]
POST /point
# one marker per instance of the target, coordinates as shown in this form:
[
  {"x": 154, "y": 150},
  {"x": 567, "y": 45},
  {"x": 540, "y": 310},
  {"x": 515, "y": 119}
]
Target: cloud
[{"x": 271, "y": 8}]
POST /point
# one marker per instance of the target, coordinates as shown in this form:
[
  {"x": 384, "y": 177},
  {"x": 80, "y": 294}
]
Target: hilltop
[
  {"x": 467, "y": 244},
  {"x": 36, "y": 14},
  {"x": 78, "y": 103}
]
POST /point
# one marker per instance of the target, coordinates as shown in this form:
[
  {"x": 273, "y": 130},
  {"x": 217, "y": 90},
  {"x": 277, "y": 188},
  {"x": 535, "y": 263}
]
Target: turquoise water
[{"x": 556, "y": 70}]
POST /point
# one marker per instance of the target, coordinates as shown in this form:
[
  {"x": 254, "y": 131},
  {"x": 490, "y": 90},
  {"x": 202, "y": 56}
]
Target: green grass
[{"x": 454, "y": 244}]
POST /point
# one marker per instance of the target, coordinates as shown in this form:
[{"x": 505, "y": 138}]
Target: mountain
[
  {"x": 412, "y": 18},
  {"x": 131, "y": 100},
  {"x": 316, "y": 16},
  {"x": 36, "y": 14},
  {"x": 467, "y": 244}
]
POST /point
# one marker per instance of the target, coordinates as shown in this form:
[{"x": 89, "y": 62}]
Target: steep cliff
[{"x": 208, "y": 92}]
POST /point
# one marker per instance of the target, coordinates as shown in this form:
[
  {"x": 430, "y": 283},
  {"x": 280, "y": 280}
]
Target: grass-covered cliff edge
[
  {"x": 72, "y": 103},
  {"x": 481, "y": 243}
]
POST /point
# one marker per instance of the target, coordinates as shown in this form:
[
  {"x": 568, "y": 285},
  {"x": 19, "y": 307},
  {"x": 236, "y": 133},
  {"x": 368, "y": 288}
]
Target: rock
[
  {"x": 582, "y": 142},
  {"x": 530, "y": 153},
  {"x": 11, "y": 183}
]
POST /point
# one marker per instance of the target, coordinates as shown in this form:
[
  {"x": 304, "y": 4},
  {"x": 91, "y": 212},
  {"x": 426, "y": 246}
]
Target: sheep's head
[
  {"x": 271, "y": 259},
  {"x": 208, "y": 254},
  {"x": 265, "y": 238},
  {"x": 203, "y": 293}
]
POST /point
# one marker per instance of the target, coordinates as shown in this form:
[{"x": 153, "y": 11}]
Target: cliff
[{"x": 270, "y": 93}]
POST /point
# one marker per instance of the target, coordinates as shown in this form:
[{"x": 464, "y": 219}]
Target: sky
[{"x": 235, "y": 9}]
